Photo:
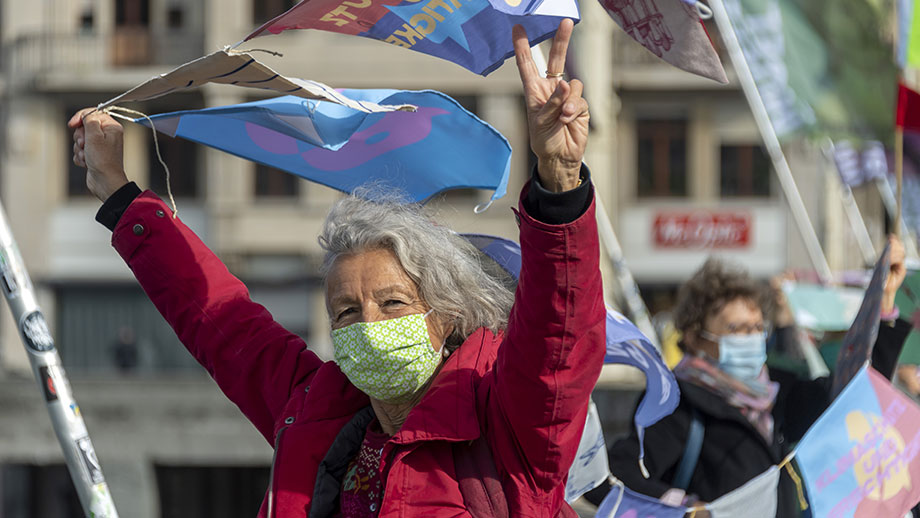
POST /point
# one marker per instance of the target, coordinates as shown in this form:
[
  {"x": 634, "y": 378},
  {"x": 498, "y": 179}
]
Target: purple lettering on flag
[
  {"x": 860, "y": 457},
  {"x": 270, "y": 140},
  {"x": 376, "y": 140}
]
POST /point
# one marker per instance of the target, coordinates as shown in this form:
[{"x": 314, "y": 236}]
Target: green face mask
[{"x": 388, "y": 360}]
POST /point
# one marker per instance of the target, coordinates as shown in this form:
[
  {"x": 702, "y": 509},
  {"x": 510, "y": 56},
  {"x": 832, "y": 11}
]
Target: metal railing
[{"x": 32, "y": 55}]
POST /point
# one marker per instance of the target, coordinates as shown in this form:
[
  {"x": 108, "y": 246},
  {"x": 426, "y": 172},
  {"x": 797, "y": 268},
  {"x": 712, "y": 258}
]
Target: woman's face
[
  {"x": 740, "y": 316},
  {"x": 372, "y": 286}
]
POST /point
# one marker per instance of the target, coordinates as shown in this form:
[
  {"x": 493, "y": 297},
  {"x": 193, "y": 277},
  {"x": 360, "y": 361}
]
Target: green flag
[{"x": 821, "y": 66}]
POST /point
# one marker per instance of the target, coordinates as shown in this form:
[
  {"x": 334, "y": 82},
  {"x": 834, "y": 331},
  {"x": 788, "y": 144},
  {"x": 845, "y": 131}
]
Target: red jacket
[{"x": 527, "y": 391}]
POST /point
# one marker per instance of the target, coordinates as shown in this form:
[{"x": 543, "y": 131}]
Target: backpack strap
[
  {"x": 478, "y": 478},
  {"x": 692, "y": 449}
]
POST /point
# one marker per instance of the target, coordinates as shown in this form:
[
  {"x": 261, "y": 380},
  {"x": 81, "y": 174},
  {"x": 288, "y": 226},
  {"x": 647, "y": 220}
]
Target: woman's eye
[
  {"x": 393, "y": 302},
  {"x": 344, "y": 313}
]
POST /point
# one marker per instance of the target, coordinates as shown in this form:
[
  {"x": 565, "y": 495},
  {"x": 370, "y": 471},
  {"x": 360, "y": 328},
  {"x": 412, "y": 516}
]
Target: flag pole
[
  {"x": 899, "y": 176},
  {"x": 79, "y": 454},
  {"x": 854, "y": 216},
  {"x": 771, "y": 141},
  {"x": 624, "y": 278}
]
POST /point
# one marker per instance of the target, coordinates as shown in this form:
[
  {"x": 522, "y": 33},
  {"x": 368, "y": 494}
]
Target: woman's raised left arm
[{"x": 554, "y": 348}]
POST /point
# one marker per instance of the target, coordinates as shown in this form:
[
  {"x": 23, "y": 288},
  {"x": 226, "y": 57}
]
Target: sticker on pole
[
  {"x": 90, "y": 462},
  {"x": 49, "y": 387},
  {"x": 7, "y": 280},
  {"x": 35, "y": 332}
]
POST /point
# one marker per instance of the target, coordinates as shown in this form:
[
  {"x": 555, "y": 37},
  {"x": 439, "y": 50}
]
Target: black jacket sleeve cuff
[
  {"x": 888, "y": 346},
  {"x": 117, "y": 204},
  {"x": 558, "y": 208}
]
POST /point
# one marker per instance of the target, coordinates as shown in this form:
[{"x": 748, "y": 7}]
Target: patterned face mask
[{"x": 388, "y": 360}]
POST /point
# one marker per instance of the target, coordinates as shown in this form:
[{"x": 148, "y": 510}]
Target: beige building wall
[{"x": 53, "y": 65}]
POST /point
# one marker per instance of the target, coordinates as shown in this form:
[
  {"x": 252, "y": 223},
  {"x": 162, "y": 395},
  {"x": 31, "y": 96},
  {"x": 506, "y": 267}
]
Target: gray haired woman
[{"x": 447, "y": 397}]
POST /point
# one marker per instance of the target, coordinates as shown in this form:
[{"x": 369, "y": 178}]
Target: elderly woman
[
  {"x": 746, "y": 416},
  {"x": 444, "y": 399}
]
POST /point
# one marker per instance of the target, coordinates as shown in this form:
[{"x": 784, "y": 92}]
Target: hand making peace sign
[{"x": 557, "y": 115}]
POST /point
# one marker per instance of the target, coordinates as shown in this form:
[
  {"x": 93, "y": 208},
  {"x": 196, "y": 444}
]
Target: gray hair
[{"x": 447, "y": 269}]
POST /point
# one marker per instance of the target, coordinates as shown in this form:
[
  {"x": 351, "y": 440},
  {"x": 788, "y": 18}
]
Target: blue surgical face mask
[{"x": 743, "y": 356}]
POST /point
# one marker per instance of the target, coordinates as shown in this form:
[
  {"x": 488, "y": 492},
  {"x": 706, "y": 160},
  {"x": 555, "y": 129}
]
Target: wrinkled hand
[
  {"x": 895, "y": 275},
  {"x": 98, "y": 145},
  {"x": 557, "y": 115}
]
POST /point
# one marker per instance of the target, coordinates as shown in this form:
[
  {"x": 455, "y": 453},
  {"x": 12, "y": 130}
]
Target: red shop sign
[{"x": 702, "y": 229}]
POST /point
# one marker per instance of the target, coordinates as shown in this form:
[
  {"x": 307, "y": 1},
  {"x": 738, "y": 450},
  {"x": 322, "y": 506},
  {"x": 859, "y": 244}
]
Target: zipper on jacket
[{"x": 271, "y": 472}]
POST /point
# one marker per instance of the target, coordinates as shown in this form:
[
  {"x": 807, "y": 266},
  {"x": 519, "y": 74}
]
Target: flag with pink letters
[{"x": 671, "y": 30}]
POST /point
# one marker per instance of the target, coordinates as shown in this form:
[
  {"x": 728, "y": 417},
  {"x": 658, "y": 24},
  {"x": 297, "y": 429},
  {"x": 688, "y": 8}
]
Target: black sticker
[
  {"x": 7, "y": 280},
  {"x": 90, "y": 462},
  {"x": 48, "y": 386},
  {"x": 35, "y": 332}
]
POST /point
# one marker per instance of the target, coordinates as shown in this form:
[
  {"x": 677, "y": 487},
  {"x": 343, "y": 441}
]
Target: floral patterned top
[{"x": 362, "y": 487}]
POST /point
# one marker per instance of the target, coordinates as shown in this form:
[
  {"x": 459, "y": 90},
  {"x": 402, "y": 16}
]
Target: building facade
[{"x": 676, "y": 159}]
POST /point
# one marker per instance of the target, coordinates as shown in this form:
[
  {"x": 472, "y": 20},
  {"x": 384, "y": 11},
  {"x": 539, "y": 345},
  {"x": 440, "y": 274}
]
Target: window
[
  {"x": 132, "y": 13},
  {"x": 175, "y": 17},
  {"x": 86, "y": 20},
  {"x": 275, "y": 183},
  {"x": 744, "y": 170},
  {"x": 28, "y": 490},
  {"x": 265, "y": 10},
  {"x": 181, "y": 156},
  {"x": 662, "y": 157},
  {"x": 211, "y": 492},
  {"x": 116, "y": 329}
]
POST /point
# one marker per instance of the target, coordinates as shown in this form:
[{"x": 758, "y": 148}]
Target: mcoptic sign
[{"x": 702, "y": 229}]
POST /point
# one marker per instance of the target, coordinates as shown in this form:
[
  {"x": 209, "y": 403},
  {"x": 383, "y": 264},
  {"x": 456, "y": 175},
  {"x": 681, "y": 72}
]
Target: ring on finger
[{"x": 554, "y": 74}]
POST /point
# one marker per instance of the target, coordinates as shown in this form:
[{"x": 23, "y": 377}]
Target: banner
[
  {"x": 908, "y": 16},
  {"x": 793, "y": 48},
  {"x": 440, "y": 146},
  {"x": 908, "y": 302},
  {"x": 908, "y": 110},
  {"x": 471, "y": 33},
  {"x": 823, "y": 308},
  {"x": 590, "y": 468},
  {"x": 239, "y": 69},
  {"x": 859, "y": 166},
  {"x": 671, "y": 30},
  {"x": 859, "y": 341},
  {"x": 859, "y": 460},
  {"x": 627, "y": 345},
  {"x": 622, "y": 502},
  {"x": 755, "y": 499}
]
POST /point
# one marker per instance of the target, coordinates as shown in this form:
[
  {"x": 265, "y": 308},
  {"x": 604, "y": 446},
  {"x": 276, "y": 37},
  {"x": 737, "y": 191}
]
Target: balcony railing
[{"x": 32, "y": 55}]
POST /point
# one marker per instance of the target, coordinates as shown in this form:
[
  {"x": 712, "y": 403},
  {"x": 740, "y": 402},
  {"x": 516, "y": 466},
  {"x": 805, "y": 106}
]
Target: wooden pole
[{"x": 899, "y": 176}]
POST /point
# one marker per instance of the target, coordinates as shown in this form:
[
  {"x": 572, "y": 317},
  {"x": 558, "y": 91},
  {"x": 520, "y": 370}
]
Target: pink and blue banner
[
  {"x": 440, "y": 146},
  {"x": 472, "y": 33},
  {"x": 860, "y": 459},
  {"x": 622, "y": 502}
]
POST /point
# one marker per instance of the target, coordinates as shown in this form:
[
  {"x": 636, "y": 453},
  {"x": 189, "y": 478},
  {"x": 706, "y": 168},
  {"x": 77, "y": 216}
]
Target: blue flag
[
  {"x": 475, "y": 34},
  {"x": 625, "y": 345},
  {"x": 622, "y": 502},
  {"x": 440, "y": 146}
]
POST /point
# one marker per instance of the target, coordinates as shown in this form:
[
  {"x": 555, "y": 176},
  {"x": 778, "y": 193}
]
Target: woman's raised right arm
[{"x": 255, "y": 361}]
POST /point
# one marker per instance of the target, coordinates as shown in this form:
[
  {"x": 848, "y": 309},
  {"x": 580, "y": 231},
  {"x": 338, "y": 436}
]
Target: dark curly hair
[{"x": 706, "y": 293}]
